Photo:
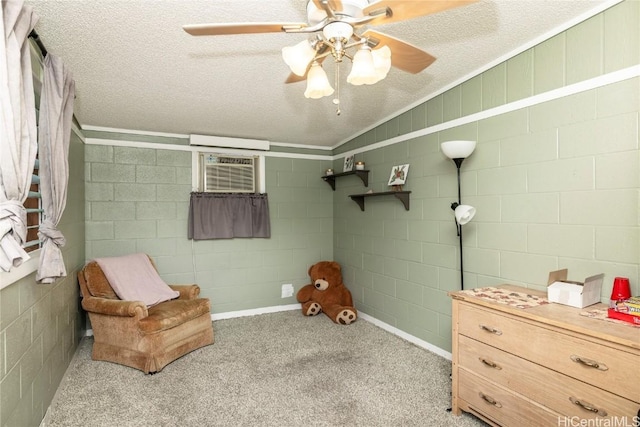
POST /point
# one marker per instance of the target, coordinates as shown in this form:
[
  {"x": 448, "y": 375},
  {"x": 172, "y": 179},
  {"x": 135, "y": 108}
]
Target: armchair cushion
[
  {"x": 134, "y": 278},
  {"x": 172, "y": 313}
]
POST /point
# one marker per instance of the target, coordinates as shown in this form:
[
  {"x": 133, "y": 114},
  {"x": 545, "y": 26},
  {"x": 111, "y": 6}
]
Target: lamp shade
[
  {"x": 381, "y": 61},
  {"x": 464, "y": 213},
  {"x": 298, "y": 57},
  {"x": 458, "y": 149},
  {"x": 363, "y": 71},
  {"x": 317, "y": 82},
  {"x": 370, "y": 66}
]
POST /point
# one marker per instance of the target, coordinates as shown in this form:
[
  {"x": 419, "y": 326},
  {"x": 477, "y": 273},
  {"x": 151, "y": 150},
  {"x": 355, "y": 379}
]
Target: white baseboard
[
  {"x": 255, "y": 311},
  {"x": 278, "y": 308}
]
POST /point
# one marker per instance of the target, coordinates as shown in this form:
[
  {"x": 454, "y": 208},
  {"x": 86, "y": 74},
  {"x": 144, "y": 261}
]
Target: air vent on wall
[{"x": 223, "y": 141}]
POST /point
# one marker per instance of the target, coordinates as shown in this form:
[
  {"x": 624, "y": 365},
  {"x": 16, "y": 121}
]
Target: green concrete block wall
[
  {"x": 41, "y": 325},
  {"x": 138, "y": 201},
  {"x": 555, "y": 184}
]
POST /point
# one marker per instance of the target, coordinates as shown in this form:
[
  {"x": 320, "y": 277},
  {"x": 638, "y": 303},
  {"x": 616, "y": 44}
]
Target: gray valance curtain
[
  {"x": 56, "y": 114},
  {"x": 18, "y": 141},
  {"x": 228, "y": 215}
]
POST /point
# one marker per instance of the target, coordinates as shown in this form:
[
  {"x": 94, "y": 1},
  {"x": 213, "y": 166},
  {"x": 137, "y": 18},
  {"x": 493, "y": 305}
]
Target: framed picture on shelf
[
  {"x": 348, "y": 164},
  {"x": 398, "y": 176}
]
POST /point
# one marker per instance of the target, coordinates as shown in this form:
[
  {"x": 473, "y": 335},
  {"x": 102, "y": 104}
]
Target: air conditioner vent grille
[{"x": 228, "y": 174}]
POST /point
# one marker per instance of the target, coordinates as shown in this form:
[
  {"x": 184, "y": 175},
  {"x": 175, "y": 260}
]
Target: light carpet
[{"x": 280, "y": 369}]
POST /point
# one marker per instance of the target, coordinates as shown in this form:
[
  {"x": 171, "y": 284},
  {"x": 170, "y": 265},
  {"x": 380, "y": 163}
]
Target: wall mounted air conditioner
[{"x": 228, "y": 174}]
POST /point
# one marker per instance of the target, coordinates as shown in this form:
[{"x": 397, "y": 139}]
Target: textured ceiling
[{"x": 135, "y": 68}]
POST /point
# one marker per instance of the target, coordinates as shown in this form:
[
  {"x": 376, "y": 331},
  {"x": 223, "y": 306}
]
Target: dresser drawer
[
  {"x": 573, "y": 399},
  {"x": 605, "y": 367},
  {"x": 500, "y": 405}
]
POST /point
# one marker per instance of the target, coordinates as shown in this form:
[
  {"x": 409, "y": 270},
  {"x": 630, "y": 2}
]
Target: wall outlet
[{"x": 287, "y": 290}]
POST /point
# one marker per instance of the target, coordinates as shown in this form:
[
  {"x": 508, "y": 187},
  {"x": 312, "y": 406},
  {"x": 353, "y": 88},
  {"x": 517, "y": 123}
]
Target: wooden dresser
[{"x": 544, "y": 365}]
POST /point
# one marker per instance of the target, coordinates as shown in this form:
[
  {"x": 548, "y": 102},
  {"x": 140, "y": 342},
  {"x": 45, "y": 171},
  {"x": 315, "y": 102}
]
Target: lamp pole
[{"x": 458, "y": 163}]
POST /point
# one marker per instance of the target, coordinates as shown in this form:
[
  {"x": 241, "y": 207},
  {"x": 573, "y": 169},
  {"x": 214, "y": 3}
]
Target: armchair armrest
[
  {"x": 187, "y": 291},
  {"x": 114, "y": 307}
]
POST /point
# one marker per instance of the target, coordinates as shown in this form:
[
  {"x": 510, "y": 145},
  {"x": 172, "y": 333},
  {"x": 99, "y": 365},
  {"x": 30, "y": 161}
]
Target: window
[{"x": 33, "y": 205}]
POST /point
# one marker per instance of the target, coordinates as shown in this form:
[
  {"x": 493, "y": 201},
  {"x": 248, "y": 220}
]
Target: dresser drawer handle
[
  {"x": 490, "y": 363},
  {"x": 588, "y": 362},
  {"x": 490, "y": 329},
  {"x": 588, "y": 406},
  {"x": 490, "y": 400}
]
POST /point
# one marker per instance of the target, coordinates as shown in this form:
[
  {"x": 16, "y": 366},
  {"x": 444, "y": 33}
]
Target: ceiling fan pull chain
[{"x": 336, "y": 100}]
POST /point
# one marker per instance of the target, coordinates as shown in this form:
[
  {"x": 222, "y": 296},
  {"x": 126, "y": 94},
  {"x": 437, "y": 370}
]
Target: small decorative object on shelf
[
  {"x": 348, "y": 164},
  {"x": 360, "y": 166},
  {"x": 398, "y": 177},
  {"x": 328, "y": 172}
]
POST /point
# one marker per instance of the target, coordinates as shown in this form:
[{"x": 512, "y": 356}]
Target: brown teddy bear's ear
[
  {"x": 311, "y": 269},
  {"x": 336, "y": 266}
]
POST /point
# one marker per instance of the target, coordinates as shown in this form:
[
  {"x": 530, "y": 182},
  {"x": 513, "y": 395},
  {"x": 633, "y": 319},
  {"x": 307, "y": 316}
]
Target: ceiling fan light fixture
[
  {"x": 298, "y": 57},
  {"x": 363, "y": 71},
  {"x": 317, "y": 82}
]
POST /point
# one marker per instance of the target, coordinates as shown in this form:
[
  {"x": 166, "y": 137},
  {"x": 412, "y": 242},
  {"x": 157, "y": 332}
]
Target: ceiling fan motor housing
[{"x": 337, "y": 31}]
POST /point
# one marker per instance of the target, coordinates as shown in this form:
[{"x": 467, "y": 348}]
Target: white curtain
[
  {"x": 18, "y": 141},
  {"x": 56, "y": 114}
]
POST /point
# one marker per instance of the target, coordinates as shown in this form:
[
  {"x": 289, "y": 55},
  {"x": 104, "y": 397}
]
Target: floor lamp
[{"x": 458, "y": 151}]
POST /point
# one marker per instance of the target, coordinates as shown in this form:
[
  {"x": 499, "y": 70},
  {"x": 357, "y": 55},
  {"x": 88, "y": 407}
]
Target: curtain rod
[{"x": 36, "y": 38}]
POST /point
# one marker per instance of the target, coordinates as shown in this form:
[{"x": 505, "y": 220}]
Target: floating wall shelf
[
  {"x": 403, "y": 196},
  {"x": 331, "y": 179}
]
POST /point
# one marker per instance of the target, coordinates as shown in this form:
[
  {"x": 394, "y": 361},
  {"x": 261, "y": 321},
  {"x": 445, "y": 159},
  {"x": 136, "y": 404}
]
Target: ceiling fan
[{"x": 337, "y": 27}]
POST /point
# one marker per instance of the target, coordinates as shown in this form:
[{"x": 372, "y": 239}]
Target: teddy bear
[{"x": 326, "y": 293}]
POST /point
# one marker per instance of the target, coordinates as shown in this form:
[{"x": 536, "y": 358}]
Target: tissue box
[{"x": 575, "y": 294}]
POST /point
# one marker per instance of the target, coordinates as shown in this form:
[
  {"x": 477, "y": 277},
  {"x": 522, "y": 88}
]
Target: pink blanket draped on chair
[{"x": 133, "y": 278}]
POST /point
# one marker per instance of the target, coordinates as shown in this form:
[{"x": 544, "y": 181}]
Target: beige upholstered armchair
[{"x": 145, "y": 338}]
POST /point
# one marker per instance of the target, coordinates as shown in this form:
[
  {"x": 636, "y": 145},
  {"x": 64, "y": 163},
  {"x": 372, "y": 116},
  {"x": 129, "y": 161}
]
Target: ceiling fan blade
[
  {"x": 294, "y": 78},
  {"x": 404, "y": 56},
  {"x": 240, "y": 28},
  {"x": 409, "y": 9}
]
